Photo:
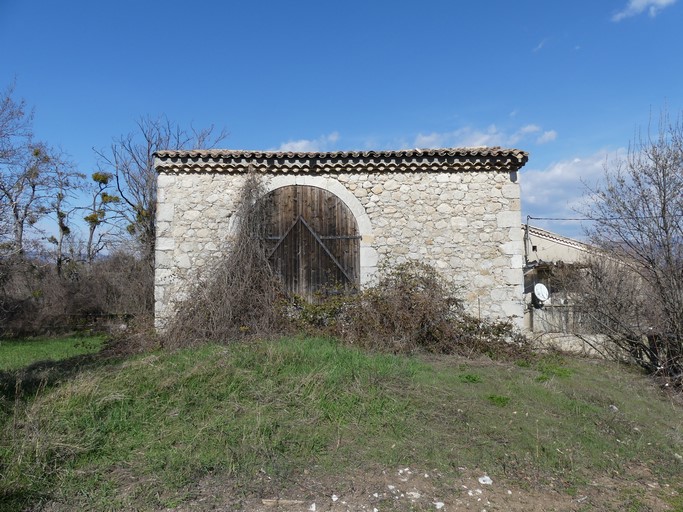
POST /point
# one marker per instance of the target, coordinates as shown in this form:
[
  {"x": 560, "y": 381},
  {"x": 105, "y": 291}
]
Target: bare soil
[{"x": 409, "y": 489}]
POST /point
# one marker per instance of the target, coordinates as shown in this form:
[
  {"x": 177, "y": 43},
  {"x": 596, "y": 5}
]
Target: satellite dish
[{"x": 541, "y": 292}]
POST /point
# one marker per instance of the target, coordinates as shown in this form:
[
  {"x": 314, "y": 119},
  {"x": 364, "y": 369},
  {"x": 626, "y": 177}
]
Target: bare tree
[
  {"x": 15, "y": 125},
  {"x": 26, "y": 189},
  {"x": 130, "y": 159},
  {"x": 637, "y": 223},
  {"x": 15, "y": 137},
  {"x": 35, "y": 179}
]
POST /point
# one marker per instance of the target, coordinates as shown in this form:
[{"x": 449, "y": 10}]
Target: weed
[
  {"x": 412, "y": 308},
  {"x": 676, "y": 501},
  {"x": 469, "y": 378},
  {"x": 499, "y": 400},
  {"x": 552, "y": 366}
]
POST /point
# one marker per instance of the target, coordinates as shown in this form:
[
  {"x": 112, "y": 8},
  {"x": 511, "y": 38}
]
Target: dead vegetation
[
  {"x": 412, "y": 308},
  {"x": 36, "y": 300},
  {"x": 238, "y": 296}
]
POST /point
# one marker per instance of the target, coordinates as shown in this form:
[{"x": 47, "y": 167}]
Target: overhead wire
[{"x": 595, "y": 219}]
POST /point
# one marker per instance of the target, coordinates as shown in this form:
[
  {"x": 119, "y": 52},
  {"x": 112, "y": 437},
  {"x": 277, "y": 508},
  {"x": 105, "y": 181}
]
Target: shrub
[
  {"x": 35, "y": 299},
  {"x": 412, "y": 308},
  {"x": 239, "y": 295}
]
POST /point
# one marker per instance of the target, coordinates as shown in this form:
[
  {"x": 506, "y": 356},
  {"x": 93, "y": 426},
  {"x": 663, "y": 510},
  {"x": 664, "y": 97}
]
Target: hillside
[{"x": 308, "y": 422}]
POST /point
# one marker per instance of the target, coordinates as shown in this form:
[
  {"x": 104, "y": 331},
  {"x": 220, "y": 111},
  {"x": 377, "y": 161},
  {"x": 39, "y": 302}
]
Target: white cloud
[
  {"x": 522, "y": 133},
  {"x": 548, "y": 136},
  {"x": 322, "y": 143},
  {"x": 463, "y": 137},
  {"x": 431, "y": 140},
  {"x": 636, "y": 7},
  {"x": 529, "y": 128},
  {"x": 469, "y": 136},
  {"x": 553, "y": 191},
  {"x": 559, "y": 190}
]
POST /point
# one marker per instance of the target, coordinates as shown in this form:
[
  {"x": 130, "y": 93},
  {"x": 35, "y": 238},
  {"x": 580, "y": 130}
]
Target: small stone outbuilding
[{"x": 343, "y": 213}]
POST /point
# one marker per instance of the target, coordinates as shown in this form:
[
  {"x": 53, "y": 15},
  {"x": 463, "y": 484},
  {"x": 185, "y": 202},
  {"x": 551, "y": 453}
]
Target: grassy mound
[{"x": 142, "y": 433}]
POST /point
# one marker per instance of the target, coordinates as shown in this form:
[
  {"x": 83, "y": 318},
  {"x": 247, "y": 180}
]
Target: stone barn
[{"x": 336, "y": 216}]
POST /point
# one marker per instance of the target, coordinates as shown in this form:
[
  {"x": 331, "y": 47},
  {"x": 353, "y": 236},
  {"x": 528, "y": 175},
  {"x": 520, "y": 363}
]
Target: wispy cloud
[
  {"x": 636, "y": 7},
  {"x": 539, "y": 46},
  {"x": 490, "y": 136},
  {"x": 548, "y": 136},
  {"x": 522, "y": 133},
  {"x": 322, "y": 143},
  {"x": 467, "y": 136}
]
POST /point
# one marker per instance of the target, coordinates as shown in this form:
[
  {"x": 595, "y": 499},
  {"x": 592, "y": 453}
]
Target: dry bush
[
  {"x": 17, "y": 298},
  {"x": 124, "y": 284},
  {"x": 412, "y": 308},
  {"x": 239, "y": 295},
  {"x": 620, "y": 305},
  {"x": 36, "y": 300},
  {"x": 635, "y": 213}
]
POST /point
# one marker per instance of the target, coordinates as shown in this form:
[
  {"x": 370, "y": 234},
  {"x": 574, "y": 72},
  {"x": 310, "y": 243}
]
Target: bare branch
[
  {"x": 130, "y": 159},
  {"x": 637, "y": 214}
]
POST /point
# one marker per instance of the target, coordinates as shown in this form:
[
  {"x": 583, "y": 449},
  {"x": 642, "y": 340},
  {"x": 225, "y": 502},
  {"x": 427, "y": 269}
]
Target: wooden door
[{"x": 312, "y": 240}]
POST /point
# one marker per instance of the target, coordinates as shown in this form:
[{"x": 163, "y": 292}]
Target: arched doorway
[{"x": 312, "y": 240}]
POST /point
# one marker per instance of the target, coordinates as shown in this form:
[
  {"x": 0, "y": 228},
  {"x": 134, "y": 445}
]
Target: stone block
[
  {"x": 510, "y": 191},
  {"x": 164, "y": 244},
  {"x": 508, "y": 219},
  {"x": 165, "y": 212},
  {"x": 513, "y": 275}
]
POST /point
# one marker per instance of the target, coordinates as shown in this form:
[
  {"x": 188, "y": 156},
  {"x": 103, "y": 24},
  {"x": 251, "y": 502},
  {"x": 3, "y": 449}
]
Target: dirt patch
[{"x": 408, "y": 489}]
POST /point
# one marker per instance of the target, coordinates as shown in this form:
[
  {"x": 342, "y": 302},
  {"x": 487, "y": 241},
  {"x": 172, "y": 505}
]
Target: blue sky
[{"x": 569, "y": 82}]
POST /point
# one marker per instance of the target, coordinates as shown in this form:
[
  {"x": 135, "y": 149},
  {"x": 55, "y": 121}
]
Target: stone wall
[{"x": 465, "y": 223}]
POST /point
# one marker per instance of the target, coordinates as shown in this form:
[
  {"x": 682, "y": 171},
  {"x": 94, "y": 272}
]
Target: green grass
[
  {"x": 140, "y": 433},
  {"x": 15, "y": 354}
]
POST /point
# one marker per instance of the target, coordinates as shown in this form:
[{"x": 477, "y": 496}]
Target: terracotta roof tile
[{"x": 410, "y": 160}]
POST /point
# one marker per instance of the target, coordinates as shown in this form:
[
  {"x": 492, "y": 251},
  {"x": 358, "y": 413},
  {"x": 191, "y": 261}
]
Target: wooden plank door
[{"x": 312, "y": 240}]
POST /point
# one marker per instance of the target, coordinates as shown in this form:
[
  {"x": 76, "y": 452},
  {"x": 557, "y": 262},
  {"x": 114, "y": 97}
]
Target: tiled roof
[
  {"x": 410, "y": 160},
  {"x": 554, "y": 237}
]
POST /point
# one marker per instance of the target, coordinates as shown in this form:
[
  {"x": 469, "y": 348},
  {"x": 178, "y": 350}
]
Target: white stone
[
  {"x": 183, "y": 261},
  {"x": 511, "y": 248},
  {"x": 508, "y": 219},
  {"x": 444, "y": 208},
  {"x": 517, "y": 261},
  {"x": 164, "y": 244},
  {"x": 513, "y": 275},
  {"x": 165, "y": 212},
  {"x": 511, "y": 191},
  {"x": 391, "y": 185}
]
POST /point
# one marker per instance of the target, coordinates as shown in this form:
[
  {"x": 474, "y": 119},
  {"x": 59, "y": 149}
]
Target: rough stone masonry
[{"x": 456, "y": 208}]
